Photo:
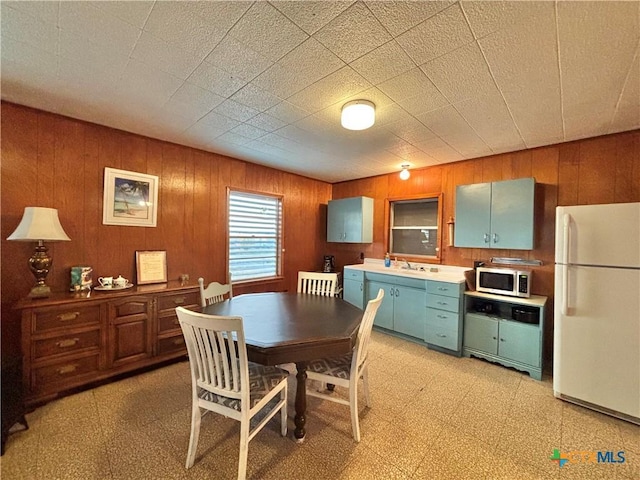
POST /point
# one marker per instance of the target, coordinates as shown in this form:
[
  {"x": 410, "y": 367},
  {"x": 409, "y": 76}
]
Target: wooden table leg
[{"x": 301, "y": 401}]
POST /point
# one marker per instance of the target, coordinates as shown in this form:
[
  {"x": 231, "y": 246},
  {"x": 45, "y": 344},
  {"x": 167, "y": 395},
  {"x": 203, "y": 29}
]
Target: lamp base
[{"x": 40, "y": 291}]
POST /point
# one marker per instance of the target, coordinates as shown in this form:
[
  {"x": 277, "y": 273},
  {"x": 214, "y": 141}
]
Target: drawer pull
[
  {"x": 442, "y": 303},
  {"x": 67, "y": 317},
  {"x": 441, "y": 335},
  {"x": 179, "y": 301},
  {"x": 67, "y": 369},
  {"x": 178, "y": 341},
  {"x": 442, "y": 316},
  {"x": 69, "y": 342},
  {"x": 443, "y": 289}
]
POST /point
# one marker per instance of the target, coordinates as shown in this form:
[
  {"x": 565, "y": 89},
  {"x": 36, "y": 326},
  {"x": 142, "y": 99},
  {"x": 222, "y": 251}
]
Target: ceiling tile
[
  {"x": 231, "y": 137},
  {"x": 440, "y": 34},
  {"x": 216, "y": 80},
  {"x": 406, "y": 85},
  {"x": 486, "y": 17},
  {"x": 18, "y": 25},
  {"x": 400, "y": 16},
  {"x": 167, "y": 57},
  {"x": 97, "y": 57},
  {"x": 267, "y": 31},
  {"x": 37, "y": 61},
  {"x": 524, "y": 64},
  {"x": 627, "y": 114},
  {"x": 331, "y": 89},
  {"x": 287, "y": 112},
  {"x": 429, "y": 99},
  {"x": 238, "y": 59},
  {"x": 135, "y": 13},
  {"x": 205, "y": 131},
  {"x": 219, "y": 122},
  {"x": 249, "y": 131},
  {"x": 445, "y": 121},
  {"x": 355, "y": 32},
  {"x": 592, "y": 78},
  {"x": 235, "y": 110},
  {"x": 255, "y": 97},
  {"x": 309, "y": 15},
  {"x": 383, "y": 63},
  {"x": 188, "y": 24},
  {"x": 266, "y": 122},
  {"x": 461, "y": 74},
  {"x": 87, "y": 21},
  {"x": 193, "y": 102},
  {"x": 304, "y": 65},
  {"x": 43, "y": 11}
]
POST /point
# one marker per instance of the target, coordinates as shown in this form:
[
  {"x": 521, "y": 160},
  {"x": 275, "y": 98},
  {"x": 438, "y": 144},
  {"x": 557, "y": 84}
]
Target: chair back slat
[
  {"x": 364, "y": 331},
  {"x": 217, "y": 352},
  {"x": 316, "y": 283},
  {"x": 214, "y": 292}
]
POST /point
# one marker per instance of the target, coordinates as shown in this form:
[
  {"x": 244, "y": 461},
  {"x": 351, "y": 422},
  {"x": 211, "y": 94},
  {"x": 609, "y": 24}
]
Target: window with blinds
[{"x": 255, "y": 235}]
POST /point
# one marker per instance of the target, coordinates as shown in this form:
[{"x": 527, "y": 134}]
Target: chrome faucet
[{"x": 408, "y": 266}]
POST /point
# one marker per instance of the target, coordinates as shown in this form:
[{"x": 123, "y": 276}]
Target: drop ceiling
[{"x": 265, "y": 81}]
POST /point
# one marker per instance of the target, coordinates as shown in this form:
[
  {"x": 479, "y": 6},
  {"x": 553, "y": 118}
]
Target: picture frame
[
  {"x": 130, "y": 198},
  {"x": 151, "y": 266}
]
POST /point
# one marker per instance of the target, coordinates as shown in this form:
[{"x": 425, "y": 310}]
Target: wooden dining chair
[
  {"x": 317, "y": 283},
  {"x": 215, "y": 292},
  {"x": 223, "y": 381},
  {"x": 346, "y": 370}
]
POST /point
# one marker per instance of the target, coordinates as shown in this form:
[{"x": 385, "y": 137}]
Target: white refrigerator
[{"x": 596, "y": 341}]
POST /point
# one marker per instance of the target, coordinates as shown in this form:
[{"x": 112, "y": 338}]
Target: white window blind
[{"x": 255, "y": 229}]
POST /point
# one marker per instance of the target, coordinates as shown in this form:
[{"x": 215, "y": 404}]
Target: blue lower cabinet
[
  {"x": 353, "y": 287},
  {"x": 384, "y": 316}
]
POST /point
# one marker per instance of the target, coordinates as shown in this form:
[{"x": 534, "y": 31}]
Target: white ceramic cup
[
  {"x": 120, "y": 282},
  {"x": 106, "y": 282}
]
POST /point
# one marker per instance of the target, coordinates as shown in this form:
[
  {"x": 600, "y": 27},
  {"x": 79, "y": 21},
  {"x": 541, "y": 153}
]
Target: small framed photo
[
  {"x": 151, "y": 266},
  {"x": 130, "y": 198}
]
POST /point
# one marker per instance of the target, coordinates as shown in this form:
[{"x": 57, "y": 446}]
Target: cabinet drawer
[
  {"x": 66, "y": 344},
  {"x": 441, "y": 318},
  {"x": 52, "y": 377},
  {"x": 70, "y": 316},
  {"x": 171, "y": 345},
  {"x": 443, "y": 288},
  {"x": 442, "y": 336},
  {"x": 167, "y": 322},
  {"x": 353, "y": 274},
  {"x": 169, "y": 302},
  {"x": 443, "y": 303}
]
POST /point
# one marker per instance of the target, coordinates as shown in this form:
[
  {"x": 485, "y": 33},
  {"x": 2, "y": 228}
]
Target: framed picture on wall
[
  {"x": 151, "y": 266},
  {"x": 130, "y": 198}
]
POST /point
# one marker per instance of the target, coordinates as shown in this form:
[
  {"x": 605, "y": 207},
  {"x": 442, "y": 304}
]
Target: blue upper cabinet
[
  {"x": 350, "y": 220},
  {"x": 495, "y": 215}
]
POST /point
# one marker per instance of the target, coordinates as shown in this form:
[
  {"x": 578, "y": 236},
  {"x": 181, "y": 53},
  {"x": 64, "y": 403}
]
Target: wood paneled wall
[
  {"x": 54, "y": 161},
  {"x": 596, "y": 170}
]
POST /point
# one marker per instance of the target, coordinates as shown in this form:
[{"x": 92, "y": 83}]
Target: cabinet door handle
[
  {"x": 67, "y": 317},
  {"x": 67, "y": 369},
  {"x": 502, "y": 340},
  {"x": 495, "y": 338},
  {"x": 486, "y": 238},
  {"x": 69, "y": 342},
  {"x": 179, "y": 301},
  {"x": 361, "y": 287},
  {"x": 495, "y": 238},
  {"x": 397, "y": 292},
  {"x": 391, "y": 292}
]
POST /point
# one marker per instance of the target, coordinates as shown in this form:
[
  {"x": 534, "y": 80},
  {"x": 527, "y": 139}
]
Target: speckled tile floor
[{"x": 433, "y": 416}]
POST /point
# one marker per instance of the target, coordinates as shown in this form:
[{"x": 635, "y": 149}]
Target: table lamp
[{"x": 39, "y": 224}]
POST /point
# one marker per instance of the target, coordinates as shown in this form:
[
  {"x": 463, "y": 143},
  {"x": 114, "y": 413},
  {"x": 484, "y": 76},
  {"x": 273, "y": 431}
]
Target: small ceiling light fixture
[
  {"x": 405, "y": 173},
  {"x": 358, "y": 115}
]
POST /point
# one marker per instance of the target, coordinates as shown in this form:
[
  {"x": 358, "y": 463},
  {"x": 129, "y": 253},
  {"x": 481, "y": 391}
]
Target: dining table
[{"x": 282, "y": 327}]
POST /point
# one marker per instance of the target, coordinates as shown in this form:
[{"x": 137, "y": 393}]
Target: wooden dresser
[{"x": 72, "y": 339}]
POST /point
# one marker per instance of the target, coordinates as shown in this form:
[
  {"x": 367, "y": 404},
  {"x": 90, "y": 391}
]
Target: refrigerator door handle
[{"x": 566, "y": 220}]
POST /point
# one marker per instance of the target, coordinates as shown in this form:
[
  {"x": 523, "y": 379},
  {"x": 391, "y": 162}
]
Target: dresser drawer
[
  {"x": 353, "y": 274},
  {"x": 442, "y": 318},
  {"x": 170, "y": 302},
  {"x": 171, "y": 345},
  {"x": 69, "y": 316},
  {"x": 64, "y": 373},
  {"x": 167, "y": 322},
  {"x": 443, "y": 288},
  {"x": 443, "y": 303},
  {"x": 442, "y": 336},
  {"x": 62, "y": 344}
]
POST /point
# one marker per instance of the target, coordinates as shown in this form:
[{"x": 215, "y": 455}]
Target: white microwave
[{"x": 504, "y": 281}]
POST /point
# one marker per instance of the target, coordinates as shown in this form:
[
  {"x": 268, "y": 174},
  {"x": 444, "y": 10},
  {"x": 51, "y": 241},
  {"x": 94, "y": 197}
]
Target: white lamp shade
[
  {"x": 358, "y": 115},
  {"x": 39, "y": 223}
]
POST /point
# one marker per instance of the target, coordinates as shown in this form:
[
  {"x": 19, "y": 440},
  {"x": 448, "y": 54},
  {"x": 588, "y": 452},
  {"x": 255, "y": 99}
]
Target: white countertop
[{"x": 444, "y": 273}]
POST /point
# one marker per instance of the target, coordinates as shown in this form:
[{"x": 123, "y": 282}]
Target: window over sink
[{"x": 414, "y": 227}]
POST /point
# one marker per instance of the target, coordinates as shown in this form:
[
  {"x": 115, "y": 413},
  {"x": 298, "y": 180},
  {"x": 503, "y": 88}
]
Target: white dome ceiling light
[
  {"x": 358, "y": 115},
  {"x": 405, "y": 173}
]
